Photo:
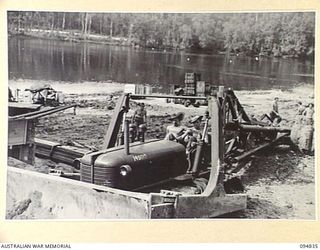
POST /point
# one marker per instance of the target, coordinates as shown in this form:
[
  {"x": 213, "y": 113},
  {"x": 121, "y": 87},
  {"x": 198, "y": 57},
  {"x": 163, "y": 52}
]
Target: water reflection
[{"x": 68, "y": 61}]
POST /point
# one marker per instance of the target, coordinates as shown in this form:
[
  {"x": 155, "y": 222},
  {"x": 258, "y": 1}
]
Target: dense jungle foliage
[{"x": 277, "y": 33}]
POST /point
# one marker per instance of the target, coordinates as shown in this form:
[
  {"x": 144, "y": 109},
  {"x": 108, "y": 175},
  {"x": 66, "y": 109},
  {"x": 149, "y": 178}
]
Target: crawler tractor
[
  {"x": 148, "y": 179},
  {"x": 155, "y": 164}
]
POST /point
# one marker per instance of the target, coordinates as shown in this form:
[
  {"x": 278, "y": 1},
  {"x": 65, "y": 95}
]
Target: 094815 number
[{"x": 308, "y": 246}]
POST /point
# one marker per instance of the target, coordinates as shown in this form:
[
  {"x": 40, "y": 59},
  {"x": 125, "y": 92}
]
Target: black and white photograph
[{"x": 161, "y": 115}]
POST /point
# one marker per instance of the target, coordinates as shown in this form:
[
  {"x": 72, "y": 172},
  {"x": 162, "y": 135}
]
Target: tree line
[{"x": 291, "y": 33}]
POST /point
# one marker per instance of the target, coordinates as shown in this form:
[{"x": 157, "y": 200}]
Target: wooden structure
[
  {"x": 21, "y": 132},
  {"x": 21, "y": 128}
]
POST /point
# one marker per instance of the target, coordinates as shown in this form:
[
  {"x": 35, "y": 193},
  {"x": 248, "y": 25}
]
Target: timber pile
[
  {"x": 40, "y": 113},
  {"x": 59, "y": 153}
]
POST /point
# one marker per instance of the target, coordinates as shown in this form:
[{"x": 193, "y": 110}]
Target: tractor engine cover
[{"x": 146, "y": 164}]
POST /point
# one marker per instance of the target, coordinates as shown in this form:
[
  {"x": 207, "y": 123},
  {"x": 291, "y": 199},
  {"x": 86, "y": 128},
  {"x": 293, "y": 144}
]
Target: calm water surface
[{"x": 39, "y": 59}]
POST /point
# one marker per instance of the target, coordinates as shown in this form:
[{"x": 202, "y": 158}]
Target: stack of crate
[
  {"x": 190, "y": 80},
  {"x": 139, "y": 89}
]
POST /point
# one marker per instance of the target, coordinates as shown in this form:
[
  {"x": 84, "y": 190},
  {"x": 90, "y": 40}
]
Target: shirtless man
[
  {"x": 175, "y": 131},
  {"x": 138, "y": 121},
  {"x": 140, "y": 116}
]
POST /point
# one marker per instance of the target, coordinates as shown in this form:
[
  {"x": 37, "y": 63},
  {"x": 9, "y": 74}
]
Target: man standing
[
  {"x": 306, "y": 140},
  {"x": 299, "y": 115},
  {"x": 308, "y": 114}
]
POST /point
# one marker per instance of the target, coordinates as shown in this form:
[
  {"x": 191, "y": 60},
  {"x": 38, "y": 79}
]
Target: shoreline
[
  {"x": 77, "y": 37},
  {"x": 93, "y": 95},
  {"x": 71, "y": 36},
  {"x": 250, "y": 99}
]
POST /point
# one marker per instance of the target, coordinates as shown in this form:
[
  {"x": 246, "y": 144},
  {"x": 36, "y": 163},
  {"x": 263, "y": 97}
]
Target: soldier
[
  {"x": 110, "y": 102},
  {"x": 175, "y": 132},
  {"x": 140, "y": 116},
  {"x": 138, "y": 121},
  {"x": 308, "y": 114},
  {"x": 301, "y": 108},
  {"x": 274, "y": 116},
  {"x": 299, "y": 116},
  {"x": 307, "y": 131},
  {"x": 194, "y": 138}
]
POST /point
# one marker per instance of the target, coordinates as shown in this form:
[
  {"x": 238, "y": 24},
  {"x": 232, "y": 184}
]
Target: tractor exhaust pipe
[{"x": 126, "y": 137}]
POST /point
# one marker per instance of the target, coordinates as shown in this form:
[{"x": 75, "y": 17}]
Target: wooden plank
[
  {"x": 40, "y": 113},
  {"x": 24, "y": 105},
  {"x": 16, "y": 108},
  {"x": 17, "y": 132},
  {"x": 251, "y": 152},
  {"x": 255, "y": 150},
  {"x": 253, "y": 128},
  {"x": 30, "y": 113},
  {"x": 49, "y": 112}
]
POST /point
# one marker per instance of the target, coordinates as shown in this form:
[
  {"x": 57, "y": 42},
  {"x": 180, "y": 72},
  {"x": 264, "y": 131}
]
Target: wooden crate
[{"x": 148, "y": 90}]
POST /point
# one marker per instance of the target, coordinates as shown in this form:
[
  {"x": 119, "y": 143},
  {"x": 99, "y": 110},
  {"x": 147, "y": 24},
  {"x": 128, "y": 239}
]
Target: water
[{"x": 40, "y": 59}]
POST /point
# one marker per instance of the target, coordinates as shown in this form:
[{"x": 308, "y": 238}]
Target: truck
[{"x": 193, "y": 86}]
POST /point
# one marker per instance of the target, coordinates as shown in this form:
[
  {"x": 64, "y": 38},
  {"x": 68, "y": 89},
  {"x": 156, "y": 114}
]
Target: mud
[{"x": 280, "y": 183}]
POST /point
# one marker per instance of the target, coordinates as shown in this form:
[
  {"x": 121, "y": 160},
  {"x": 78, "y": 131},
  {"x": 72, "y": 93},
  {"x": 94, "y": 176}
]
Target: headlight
[{"x": 125, "y": 170}]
